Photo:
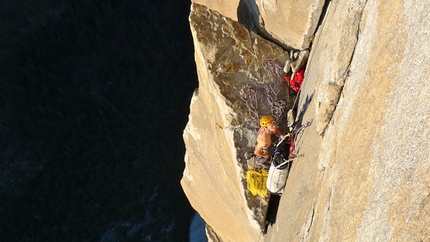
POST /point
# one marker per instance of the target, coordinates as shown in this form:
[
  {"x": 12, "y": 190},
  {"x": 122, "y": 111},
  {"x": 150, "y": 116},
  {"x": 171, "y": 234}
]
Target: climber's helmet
[{"x": 266, "y": 121}]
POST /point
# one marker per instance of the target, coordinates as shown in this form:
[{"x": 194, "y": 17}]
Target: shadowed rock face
[
  {"x": 236, "y": 86},
  {"x": 289, "y": 23},
  {"x": 364, "y": 171},
  {"x": 225, "y": 8}
]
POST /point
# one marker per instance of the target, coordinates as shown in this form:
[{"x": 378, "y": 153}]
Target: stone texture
[
  {"x": 366, "y": 178},
  {"x": 231, "y": 62},
  {"x": 227, "y": 8},
  {"x": 290, "y": 22},
  {"x": 340, "y": 34},
  {"x": 363, "y": 174}
]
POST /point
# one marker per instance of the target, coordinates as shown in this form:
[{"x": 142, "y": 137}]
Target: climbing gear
[
  {"x": 287, "y": 65},
  {"x": 284, "y": 136},
  {"x": 297, "y": 130},
  {"x": 296, "y": 61},
  {"x": 299, "y": 62},
  {"x": 294, "y": 133},
  {"x": 295, "y": 82},
  {"x": 292, "y": 146},
  {"x": 279, "y": 168},
  {"x": 266, "y": 121},
  {"x": 291, "y": 114},
  {"x": 257, "y": 182}
]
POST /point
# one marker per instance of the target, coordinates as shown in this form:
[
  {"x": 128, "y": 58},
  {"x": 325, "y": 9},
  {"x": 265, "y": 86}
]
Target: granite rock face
[
  {"x": 363, "y": 173},
  {"x": 225, "y": 8},
  {"x": 239, "y": 81},
  {"x": 289, "y": 23}
]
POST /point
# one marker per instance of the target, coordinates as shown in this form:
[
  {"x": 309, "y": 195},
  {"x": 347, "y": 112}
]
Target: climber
[{"x": 264, "y": 139}]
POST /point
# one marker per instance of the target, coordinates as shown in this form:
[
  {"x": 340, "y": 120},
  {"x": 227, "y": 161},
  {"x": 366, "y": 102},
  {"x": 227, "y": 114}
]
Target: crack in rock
[
  {"x": 331, "y": 90},
  {"x": 308, "y": 224}
]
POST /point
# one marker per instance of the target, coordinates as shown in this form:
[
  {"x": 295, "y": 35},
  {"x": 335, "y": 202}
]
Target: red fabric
[
  {"x": 292, "y": 145},
  {"x": 296, "y": 82}
]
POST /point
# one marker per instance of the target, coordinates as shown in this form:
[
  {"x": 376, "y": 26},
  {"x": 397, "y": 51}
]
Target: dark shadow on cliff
[
  {"x": 272, "y": 211},
  {"x": 272, "y": 208},
  {"x": 248, "y": 14},
  {"x": 301, "y": 113}
]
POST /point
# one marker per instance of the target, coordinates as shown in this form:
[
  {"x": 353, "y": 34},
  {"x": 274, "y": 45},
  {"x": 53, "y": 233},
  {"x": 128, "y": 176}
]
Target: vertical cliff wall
[
  {"x": 363, "y": 174},
  {"x": 233, "y": 64},
  {"x": 289, "y": 23}
]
